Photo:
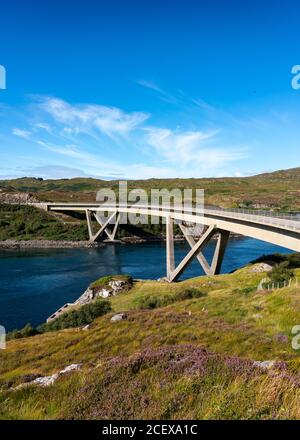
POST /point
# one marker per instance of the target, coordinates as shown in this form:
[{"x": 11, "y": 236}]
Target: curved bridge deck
[{"x": 281, "y": 229}]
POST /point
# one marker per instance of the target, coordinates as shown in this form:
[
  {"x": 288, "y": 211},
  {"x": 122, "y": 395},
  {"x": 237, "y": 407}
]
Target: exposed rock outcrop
[
  {"x": 45, "y": 381},
  {"x": 260, "y": 267},
  {"x": 265, "y": 365},
  {"x": 112, "y": 288},
  {"x": 119, "y": 317},
  {"x": 17, "y": 198}
]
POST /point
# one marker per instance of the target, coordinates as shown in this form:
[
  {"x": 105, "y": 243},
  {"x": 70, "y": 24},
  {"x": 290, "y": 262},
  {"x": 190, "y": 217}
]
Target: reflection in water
[{"x": 34, "y": 283}]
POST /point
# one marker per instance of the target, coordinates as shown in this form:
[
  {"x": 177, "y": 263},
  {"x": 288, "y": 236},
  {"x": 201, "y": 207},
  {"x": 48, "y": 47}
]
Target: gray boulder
[{"x": 118, "y": 317}]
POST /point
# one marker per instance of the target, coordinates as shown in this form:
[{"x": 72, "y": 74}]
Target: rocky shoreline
[
  {"x": 47, "y": 244},
  {"x": 61, "y": 244}
]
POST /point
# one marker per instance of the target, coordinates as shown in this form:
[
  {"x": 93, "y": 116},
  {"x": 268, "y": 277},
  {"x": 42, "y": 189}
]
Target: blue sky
[{"x": 140, "y": 89}]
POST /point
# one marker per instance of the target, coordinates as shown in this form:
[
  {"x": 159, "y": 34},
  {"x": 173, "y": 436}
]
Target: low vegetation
[
  {"x": 75, "y": 318},
  {"x": 156, "y": 301},
  {"x": 29, "y": 223},
  {"x": 104, "y": 281},
  {"x": 281, "y": 273},
  {"x": 292, "y": 260}
]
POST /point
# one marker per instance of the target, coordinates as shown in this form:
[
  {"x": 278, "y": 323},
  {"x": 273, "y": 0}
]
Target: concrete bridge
[{"x": 277, "y": 228}]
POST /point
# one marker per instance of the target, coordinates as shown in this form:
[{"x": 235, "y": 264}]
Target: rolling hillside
[{"x": 278, "y": 190}]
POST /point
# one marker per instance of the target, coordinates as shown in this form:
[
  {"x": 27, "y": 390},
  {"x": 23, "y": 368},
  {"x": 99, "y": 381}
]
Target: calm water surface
[{"x": 34, "y": 283}]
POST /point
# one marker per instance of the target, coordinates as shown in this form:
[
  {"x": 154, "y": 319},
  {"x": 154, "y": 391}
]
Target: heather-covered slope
[{"x": 192, "y": 357}]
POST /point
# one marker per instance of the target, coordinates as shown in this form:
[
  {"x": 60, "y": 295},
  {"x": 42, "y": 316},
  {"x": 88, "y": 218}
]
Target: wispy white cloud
[
  {"x": 111, "y": 121},
  {"x": 43, "y": 126},
  {"x": 164, "y": 96},
  {"x": 203, "y": 105},
  {"x": 95, "y": 164},
  {"x": 107, "y": 141},
  {"x": 149, "y": 85},
  {"x": 21, "y": 133},
  {"x": 191, "y": 147},
  {"x": 67, "y": 150},
  {"x": 179, "y": 98}
]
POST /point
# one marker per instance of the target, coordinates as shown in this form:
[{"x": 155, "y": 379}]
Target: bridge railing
[
  {"x": 286, "y": 220},
  {"x": 289, "y": 221},
  {"x": 295, "y": 216}
]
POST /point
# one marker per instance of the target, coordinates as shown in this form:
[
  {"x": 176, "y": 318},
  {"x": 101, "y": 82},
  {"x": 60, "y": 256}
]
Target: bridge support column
[
  {"x": 200, "y": 257},
  {"x": 110, "y": 234},
  {"x": 170, "y": 246},
  {"x": 89, "y": 223},
  {"x": 113, "y": 235},
  {"x": 175, "y": 274},
  {"x": 103, "y": 227},
  {"x": 214, "y": 269},
  {"x": 219, "y": 251}
]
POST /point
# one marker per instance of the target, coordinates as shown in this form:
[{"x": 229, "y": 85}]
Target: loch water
[{"x": 36, "y": 282}]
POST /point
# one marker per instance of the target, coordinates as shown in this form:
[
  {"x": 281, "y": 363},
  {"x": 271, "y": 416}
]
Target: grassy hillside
[
  {"x": 29, "y": 223},
  {"x": 192, "y": 358},
  {"x": 279, "y": 189}
]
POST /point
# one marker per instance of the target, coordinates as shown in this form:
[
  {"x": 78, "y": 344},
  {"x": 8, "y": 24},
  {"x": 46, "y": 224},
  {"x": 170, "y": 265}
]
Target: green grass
[
  {"x": 189, "y": 357},
  {"x": 104, "y": 281},
  {"x": 151, "y": 301},
  {"x": 29, "y": 223}
]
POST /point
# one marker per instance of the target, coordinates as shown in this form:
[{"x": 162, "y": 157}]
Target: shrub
[
  {"x": 25, "y": 332},
  {"x": 245, "y": 290},
  {"x": 188, "y": 293},
  {"x": 150, "y": 302},
  {"x": 76, "y": 318},
  {"x": 281, "y": 273},
  {"x": 156, "y": 301},
  {"x": 292, "y": 260},
  {"x": 83, "y": 316}
]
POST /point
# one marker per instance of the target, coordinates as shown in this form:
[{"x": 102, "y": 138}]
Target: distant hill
[{"x": 277, "y": 190}]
